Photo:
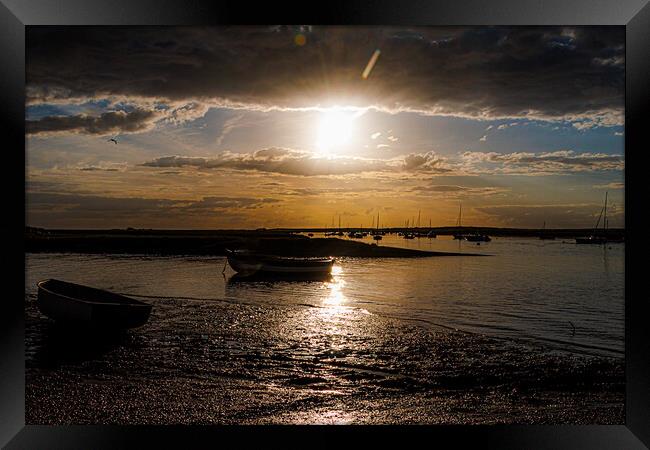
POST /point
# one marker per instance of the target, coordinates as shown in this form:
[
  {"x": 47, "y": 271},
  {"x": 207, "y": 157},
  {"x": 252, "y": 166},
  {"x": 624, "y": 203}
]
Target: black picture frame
[{"x": 15, "y": 15}]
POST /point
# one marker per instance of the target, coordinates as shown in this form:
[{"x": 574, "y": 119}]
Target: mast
[
  {"x": 419, "y": 218},
  {"x": 377, "y": 221},
  {"x": 605, "y": 220},
  {"x": 600, "y": 216}
]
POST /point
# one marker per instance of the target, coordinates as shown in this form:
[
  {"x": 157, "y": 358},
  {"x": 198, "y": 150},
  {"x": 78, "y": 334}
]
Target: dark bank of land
[{"x": 207, "y": 243}]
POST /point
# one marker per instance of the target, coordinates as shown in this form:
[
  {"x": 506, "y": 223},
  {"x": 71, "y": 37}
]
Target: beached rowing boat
[
  {"x": 252, "y": 263},
  {"x": 69, "y": 302}
]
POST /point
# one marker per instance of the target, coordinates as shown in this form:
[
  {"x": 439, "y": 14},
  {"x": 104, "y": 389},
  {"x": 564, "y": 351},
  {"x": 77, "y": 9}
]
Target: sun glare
[{"x": 335, "y": 129}]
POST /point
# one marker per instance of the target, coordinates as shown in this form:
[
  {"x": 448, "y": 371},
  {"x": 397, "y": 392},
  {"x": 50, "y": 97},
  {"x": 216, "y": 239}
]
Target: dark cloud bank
[
  {"x": 106, "y": 123},
  {"x": 550, "y": 73}
]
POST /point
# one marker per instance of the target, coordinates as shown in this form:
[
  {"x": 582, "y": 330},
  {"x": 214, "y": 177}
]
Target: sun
[{"x": 335, "y": 129}]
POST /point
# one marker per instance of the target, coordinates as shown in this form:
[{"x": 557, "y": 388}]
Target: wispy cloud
[
  {"x": 546, "y": 162},
  {"x": 71, "y": 207},
  {"x": 613, "y": 185},
  {"x": 228, "y": 126},
  {"x": 443, "y": 190},
  {"x": 578, "y": 215},
  {"x": 303, "y": 163}
]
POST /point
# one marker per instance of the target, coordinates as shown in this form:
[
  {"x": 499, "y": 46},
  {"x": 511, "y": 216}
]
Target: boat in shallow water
[
  {"x": 83, "y": 305},
  {"x": 477, "y": 237},
  {"x": 252, "y": 263},
  {"x": 596, "y": 238}
]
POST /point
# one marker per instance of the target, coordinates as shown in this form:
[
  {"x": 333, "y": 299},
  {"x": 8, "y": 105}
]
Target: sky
[{"x": 277, "y": 126}]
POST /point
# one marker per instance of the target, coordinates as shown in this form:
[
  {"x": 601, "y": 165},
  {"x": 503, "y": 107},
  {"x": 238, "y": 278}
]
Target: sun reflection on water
[{"x": 335, "y": 299}]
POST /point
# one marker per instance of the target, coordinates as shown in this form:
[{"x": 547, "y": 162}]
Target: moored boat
[
  {"x": 477, "y": 237},
  {"x": 251, "y": 263},
  {"x": 459, "y": 236},
  {"x": 544, "y": 235},
  {"x": 75, "y": 303},
  {"x": 591, "y": 240},
  {"x": 595, "y": 238}
]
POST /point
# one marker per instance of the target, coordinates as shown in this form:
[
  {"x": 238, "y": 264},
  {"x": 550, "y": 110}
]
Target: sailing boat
[
  {"x": 377, "y": 236},
  {"x": 431, "y": 234},
  {"x": 340, "y": 233},
  {"x": 544, "y": 235},
  {"x": 407, "y": 233},
  {"x": 459, "y": 235},
  {"x": 471, "y": 237},
  {"x": 594, "y": 238}
]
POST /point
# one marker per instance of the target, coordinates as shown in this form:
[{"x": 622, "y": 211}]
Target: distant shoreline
[
  {"x": 442, "y": 231},
  {"x": 212, "y": 243}
]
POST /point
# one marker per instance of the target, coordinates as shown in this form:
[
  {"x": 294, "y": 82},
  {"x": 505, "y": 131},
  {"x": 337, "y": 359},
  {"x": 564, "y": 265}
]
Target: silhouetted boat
[
  {"x": 544, "y": 235},
  {"x": 595, "y": 238},
  {"x": 69, "y": 302},
  {"x": 591, "y": 240},
  {"x": 377, "y": 235},
  {"x": 477, "y": 237},
  {"x": 459, "y": 235},
  {"x": 251, "y": 263}
]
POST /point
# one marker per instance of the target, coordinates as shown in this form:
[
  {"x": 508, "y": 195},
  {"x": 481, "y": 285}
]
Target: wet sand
[{"x": 269, "y": 364}]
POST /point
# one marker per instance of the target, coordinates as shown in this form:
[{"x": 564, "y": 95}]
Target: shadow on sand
[{"x": 58, "y": 343}]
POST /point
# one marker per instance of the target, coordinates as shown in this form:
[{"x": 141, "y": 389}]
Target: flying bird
[{"x": 113, "y": 140}]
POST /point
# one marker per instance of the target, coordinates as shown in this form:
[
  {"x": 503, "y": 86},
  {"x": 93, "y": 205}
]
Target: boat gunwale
[
  {"x": 137, "y": 304},
  {"x": 253, "y": 255}
]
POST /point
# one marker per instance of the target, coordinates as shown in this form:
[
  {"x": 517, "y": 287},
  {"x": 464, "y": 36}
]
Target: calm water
[{"x": 528, "y": 290}]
